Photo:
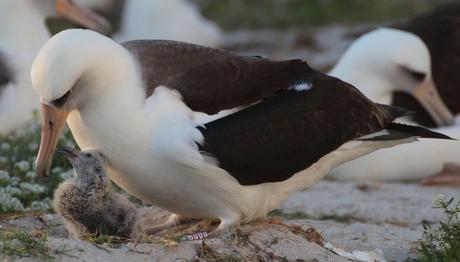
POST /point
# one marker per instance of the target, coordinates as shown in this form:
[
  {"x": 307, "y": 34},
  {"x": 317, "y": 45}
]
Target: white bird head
[
  {"x": 387, "y": 60},
  {"x": 62, "y": 62},
  {"x": 77, "y": 69}
]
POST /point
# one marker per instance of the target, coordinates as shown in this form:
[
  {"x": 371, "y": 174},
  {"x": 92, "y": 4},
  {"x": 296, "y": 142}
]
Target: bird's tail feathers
[{"x": 396, "y": 131}]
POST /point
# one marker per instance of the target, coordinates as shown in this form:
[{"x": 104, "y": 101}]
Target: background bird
[
  {"x": 22, "y": 33},
  {"x": 385, "y": 61},
  {"x": 156, "y": 19}
]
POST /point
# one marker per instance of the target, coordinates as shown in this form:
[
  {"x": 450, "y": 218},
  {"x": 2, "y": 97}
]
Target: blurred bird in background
[
  {"x": 413, "y": 65},
  {"x": 22, "y": 33},
  {"x": 176, "y": 20}
]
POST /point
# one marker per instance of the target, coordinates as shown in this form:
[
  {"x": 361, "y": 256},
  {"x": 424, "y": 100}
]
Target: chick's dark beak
[{"x": 70, "y": 153}]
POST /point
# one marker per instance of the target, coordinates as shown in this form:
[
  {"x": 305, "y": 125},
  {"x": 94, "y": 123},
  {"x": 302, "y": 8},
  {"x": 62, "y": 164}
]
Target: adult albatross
[
  {"x": 385, "y": 61},
  {"x": 439, "y": 31},
  {"x": 126, "y": 101}
]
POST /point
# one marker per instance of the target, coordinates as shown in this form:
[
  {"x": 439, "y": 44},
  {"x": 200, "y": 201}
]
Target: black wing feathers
[
  {"x": 416, "y": 131},
  {"x": 276, "y": 138},
  {"x": 223, "y": 84},
  {"x": 211, "y": 80},
  {"x": 406, "y": 100},
  {"x": 272, "y": 140}
]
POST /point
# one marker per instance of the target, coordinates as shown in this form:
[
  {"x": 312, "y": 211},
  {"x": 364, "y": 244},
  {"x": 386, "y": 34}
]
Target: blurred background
[
  {"x": 318, "y": 31},
  {"x": 283, "y": 14}
]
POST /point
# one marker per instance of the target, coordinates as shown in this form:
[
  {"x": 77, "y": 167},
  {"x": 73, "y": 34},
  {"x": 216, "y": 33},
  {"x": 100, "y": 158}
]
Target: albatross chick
[{"x": 86, "y": 202}]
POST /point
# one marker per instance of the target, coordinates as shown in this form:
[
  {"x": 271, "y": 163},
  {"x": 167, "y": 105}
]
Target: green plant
[
  {"x": 23, "y": 244},
  {"x": 20, "y": 189},
  {"x": 442, "y": 242},
  {"x": 102, "y": 240}
]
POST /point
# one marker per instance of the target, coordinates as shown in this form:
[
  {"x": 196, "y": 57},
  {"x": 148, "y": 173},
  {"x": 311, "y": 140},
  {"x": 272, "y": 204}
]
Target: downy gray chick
[{"x": 86, "y": 202}]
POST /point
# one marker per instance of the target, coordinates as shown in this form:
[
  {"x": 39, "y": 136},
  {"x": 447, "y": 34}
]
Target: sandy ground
[{"x": 349, "y": 215}]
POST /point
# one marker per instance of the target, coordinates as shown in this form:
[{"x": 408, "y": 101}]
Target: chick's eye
[{"x": 88, "y": 155}]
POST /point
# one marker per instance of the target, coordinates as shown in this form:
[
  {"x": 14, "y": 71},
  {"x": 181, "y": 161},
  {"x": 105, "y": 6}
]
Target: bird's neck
[
  {"x": 112, "y": 82},
  {"x": 113, "y": 105},
  {"x": 93, "y": 182}
]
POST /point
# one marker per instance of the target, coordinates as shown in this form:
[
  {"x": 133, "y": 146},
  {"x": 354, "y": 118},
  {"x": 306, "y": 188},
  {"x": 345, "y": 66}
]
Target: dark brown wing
[
  {"x": 211, "y": 80},
  {"x": 271, "y": 141},
  {"x": 284, "y": 134},
  {"x": 440, "y": 31}
]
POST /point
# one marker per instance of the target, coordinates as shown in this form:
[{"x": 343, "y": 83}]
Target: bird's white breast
[{"x": 145, "y": 156}]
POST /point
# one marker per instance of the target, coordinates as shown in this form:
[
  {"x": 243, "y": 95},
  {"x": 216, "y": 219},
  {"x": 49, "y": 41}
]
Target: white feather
[
  {"x": 172, "y": 19},
  {"x": 174, "y": 134},
  {"x": 376, "y": 134},
  {"x": 303, "y": 86}
]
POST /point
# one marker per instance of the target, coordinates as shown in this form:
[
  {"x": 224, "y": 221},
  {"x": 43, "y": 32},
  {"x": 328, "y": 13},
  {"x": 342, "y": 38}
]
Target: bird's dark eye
[
  {"x": 416, "y": 75},
  {"x": 98, "y": 170},
  {"x": 62, "y": 100},
  {"x": 88, "y": 155}
]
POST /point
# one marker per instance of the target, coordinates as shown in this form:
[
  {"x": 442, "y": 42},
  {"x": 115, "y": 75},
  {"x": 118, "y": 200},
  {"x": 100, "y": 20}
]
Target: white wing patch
[
  {"x": 201, "y": 118},
  {"x": 302, "y": 86},
  {"x": 383, "y": 132},
  {"x": 173, "y": 131}
]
